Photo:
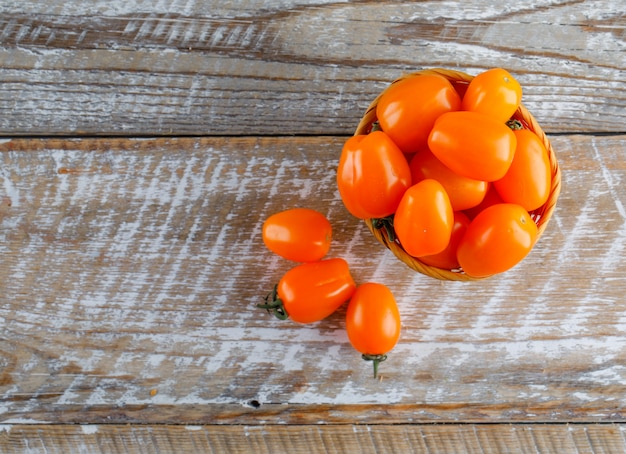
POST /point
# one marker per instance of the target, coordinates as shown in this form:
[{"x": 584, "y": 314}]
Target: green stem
[
  {"x": 274, "y": 305},
  {"x": 387, "y": 224},
  {"x": 515, "y": 125},
  {"x": 376, "y": 360}
]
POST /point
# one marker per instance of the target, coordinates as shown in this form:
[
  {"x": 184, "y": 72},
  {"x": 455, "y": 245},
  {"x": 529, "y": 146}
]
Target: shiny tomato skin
[
  {"x": 298, "y": 234},
  {"x": 372, "y": 176},
  {"x": 464, "y": 192},
  {"x": 473, "y": 145},
  {"x": 447, "y": 259},
  {"x": 527, "y": 182},
  {"x": 373, "y": 319},
  {"x": 312, "y": 291},
  {"x": 494, "y": 92},
  {"x": 496, "y": 240},
  {"x": 424, "y": 219},
  {"x": 409, "y": 107}
]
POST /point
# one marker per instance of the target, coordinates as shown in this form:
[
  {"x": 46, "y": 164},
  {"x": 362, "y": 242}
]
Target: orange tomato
[
  {"x": 446, "y": 259},
  {"x": 527, "y": 182},
  {"x": 493, "y": 92},
  {"x": 311, "y": 291},
  {"x": 409, "y": 107},
  {"x": 373, "y": 322},
  {"x": 473, "y": 145},
  {"x": 298, "y": 234},
  {"x": 464, "y": 192},
  {"x": 496, "y": 240},
  {"x": 423, "y": 221},
  {"x": 491, "y": 198},
  {"x": 372, "y": 175}
]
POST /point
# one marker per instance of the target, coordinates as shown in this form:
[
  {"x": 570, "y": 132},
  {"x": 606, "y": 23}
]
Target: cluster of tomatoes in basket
[
  {"x": 448, "y": 174},
  {"x": 317, "y": 287}
]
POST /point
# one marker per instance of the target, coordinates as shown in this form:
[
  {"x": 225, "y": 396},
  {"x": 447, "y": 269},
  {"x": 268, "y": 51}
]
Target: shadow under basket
[{"x": 541, "y": 215}]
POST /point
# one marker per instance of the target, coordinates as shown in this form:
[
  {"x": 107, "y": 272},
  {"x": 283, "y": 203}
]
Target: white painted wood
[
  {"x": 130, "y": 267},
  {"x": 133, "y": 266},
  {"x": 146, "y": 68}
]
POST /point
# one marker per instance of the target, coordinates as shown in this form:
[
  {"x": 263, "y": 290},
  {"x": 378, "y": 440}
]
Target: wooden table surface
[{"x": 144, "y": 142}]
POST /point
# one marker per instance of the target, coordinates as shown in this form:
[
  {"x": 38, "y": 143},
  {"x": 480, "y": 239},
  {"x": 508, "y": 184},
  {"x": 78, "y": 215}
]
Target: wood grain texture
[
  {"x": 130, "y": 252},
  {"x": 364, "y": 439},
  {"x": 131, "y": 267},
  {"x": 292, "y": 67}
]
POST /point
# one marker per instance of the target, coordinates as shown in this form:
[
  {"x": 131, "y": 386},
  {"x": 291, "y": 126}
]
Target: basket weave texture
[{"x": 541, "y": 215}]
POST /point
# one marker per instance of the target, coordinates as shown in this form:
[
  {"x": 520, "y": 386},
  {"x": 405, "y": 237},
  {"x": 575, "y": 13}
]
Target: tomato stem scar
[{"x": 275, "y": 306}]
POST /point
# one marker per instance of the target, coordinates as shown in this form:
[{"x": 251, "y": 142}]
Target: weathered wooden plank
[
  {"x": 362, "y": 439},
  {"x": 130, "y": 270},
  {"x": 123, "y": 68}
]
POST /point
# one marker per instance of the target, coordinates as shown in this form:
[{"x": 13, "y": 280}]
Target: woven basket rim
[{"x": 541, "y": 215}]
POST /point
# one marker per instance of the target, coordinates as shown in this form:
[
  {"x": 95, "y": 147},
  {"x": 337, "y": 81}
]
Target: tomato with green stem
[
  {"x": 496, "y": 240},
  {"x": 298, "y": 234},
  {"x": 372, "y": 175},
  {"x": 494, "y": 92},
  {"x": 311, "y": 291},
  {"x": 373, "y": 322}
]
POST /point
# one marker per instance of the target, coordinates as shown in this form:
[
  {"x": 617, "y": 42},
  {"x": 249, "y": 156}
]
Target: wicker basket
[{"x": 541, "y": 215}]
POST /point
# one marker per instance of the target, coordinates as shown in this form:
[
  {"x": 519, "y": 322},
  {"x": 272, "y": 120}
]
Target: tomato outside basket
[{"x": 541, "y": 215}]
